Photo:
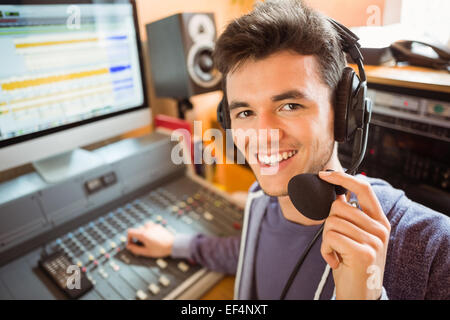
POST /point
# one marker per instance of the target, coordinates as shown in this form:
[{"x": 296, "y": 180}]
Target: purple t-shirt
[
  {"x": 277, "y": 232},
  {"x": 417, "y": 261}
]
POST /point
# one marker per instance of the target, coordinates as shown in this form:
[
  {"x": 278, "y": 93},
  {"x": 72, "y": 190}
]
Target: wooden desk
[
  {"x": 224, "y": 290},
  {"x": 408, "y": 77}
]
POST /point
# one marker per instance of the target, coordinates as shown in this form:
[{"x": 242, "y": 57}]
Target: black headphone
[{"x": 352, "y": 108}]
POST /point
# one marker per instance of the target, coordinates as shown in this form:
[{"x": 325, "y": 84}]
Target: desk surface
[
  {"x": 409, "y": 77},
  {"x": 222, "y": 291}
]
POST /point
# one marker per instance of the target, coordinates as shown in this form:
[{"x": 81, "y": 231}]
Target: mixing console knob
[
  {"x": 237, "y": 225},
  {"x": 114, "y": 266},
  {"x": 187, "y": 219},
  {"x": 208, "y": 216},
  {"x": 103, "y": 273},
  {"x": 183, "y": 266},
  {"x": 161, "y": 263},
  {"x": 171, "y": 230},
  {"x": 164, "y": 281},
  {"x": 153, "y": 288},
  {"x": 141, "y": 295},
  {"x": 125, "y": 259}
]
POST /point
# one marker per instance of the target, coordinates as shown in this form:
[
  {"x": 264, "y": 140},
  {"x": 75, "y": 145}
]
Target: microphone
[{"x": 313, "y": 196}]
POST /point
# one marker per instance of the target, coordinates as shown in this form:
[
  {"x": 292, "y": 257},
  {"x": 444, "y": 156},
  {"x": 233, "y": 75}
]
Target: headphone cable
[{"x": 300, "y": 262}]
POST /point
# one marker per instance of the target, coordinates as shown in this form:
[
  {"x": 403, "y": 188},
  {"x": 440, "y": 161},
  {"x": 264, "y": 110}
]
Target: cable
[{"x": 300, "y": 262}]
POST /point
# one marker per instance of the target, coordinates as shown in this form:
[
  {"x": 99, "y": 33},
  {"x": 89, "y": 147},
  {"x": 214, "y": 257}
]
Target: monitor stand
[{"x": 65, "y": 165}]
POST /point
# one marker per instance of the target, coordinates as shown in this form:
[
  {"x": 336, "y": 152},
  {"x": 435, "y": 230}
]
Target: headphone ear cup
[
  {"x": 344, "y": 93},
  {"x": 221, "y": 115}
]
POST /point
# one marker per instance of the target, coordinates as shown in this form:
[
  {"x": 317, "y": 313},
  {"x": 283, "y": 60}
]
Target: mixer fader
[
  {"x": 98, "y": 248},
  {"x": 83, "y": 221}
]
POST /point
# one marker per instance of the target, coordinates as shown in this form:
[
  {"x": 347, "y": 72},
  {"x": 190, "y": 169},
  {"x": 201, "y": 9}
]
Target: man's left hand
[{"x": 355, "y": 241}]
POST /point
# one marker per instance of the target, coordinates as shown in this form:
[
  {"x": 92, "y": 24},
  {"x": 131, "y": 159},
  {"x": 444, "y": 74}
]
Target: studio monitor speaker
[{"x": 180, "y": 52}]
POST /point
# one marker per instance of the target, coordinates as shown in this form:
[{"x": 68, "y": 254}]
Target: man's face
[{"x": 284, "y": 92}]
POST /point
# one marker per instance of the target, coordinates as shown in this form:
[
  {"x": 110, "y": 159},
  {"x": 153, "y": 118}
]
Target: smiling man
[
  {"x": 282, "y": 64},
  {"x": 285, "y": 92}
]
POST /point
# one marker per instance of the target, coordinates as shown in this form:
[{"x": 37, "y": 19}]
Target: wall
[{"x": 152, "y": 10}]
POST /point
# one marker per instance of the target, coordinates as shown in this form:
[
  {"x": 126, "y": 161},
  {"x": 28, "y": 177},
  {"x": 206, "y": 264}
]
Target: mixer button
[
  {"x": 183, "y": 266},
  {"x": 194, "y": 215},
  {"x": 114, "y": 266},
  {"x": 153, "y": 288},
  {"x": 171, "y": 229},
  {"x": 186, "y": 219},
  {"x": 164, "y": 281},
  {"x": 161, "y": 263},
  {"x": 141, "y": 295},
  {"x": 237, "y": 225},
  {"x": 208, "y": 216}
]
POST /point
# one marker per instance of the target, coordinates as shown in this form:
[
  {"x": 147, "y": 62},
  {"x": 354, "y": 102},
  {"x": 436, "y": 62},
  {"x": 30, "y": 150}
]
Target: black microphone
[{"x": 313, "y": 196}]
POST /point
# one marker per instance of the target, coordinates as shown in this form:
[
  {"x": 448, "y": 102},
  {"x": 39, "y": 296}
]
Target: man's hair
[{"x": 275, "y": 26}]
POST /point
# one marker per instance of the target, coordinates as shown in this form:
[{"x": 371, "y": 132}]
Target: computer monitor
[{"x": 70, "y": 75}]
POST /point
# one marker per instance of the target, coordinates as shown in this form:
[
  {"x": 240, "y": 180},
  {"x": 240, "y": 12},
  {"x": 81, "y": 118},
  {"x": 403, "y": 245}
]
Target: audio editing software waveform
[{"x": 51, "y": 75}]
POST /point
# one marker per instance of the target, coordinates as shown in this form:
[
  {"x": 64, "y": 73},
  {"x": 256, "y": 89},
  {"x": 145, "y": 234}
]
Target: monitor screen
[{"x": 64, "y": 64}]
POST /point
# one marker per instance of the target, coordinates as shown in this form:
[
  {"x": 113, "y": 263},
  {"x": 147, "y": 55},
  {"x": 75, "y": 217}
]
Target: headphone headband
[{"x": 350, "y": 45}]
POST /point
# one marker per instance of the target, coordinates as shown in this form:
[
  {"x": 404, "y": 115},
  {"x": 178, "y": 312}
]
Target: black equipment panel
[{"x": 409, "y": 144}]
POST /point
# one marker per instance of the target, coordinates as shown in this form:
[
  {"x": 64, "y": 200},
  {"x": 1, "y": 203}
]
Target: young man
[{"x": 281, "y": 64}]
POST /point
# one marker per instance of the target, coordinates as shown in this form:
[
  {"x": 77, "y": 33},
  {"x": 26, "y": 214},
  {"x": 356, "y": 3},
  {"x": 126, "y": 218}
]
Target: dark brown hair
[{"x": 275, "y": 26}]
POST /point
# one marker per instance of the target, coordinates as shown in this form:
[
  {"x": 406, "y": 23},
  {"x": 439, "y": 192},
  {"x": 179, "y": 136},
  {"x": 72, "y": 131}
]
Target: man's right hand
[{"x": 155, "y": 241}]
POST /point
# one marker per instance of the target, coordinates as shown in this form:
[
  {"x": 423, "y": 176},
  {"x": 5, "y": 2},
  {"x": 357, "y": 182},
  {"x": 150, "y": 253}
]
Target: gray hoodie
[{"x": 418, "y": 256}]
